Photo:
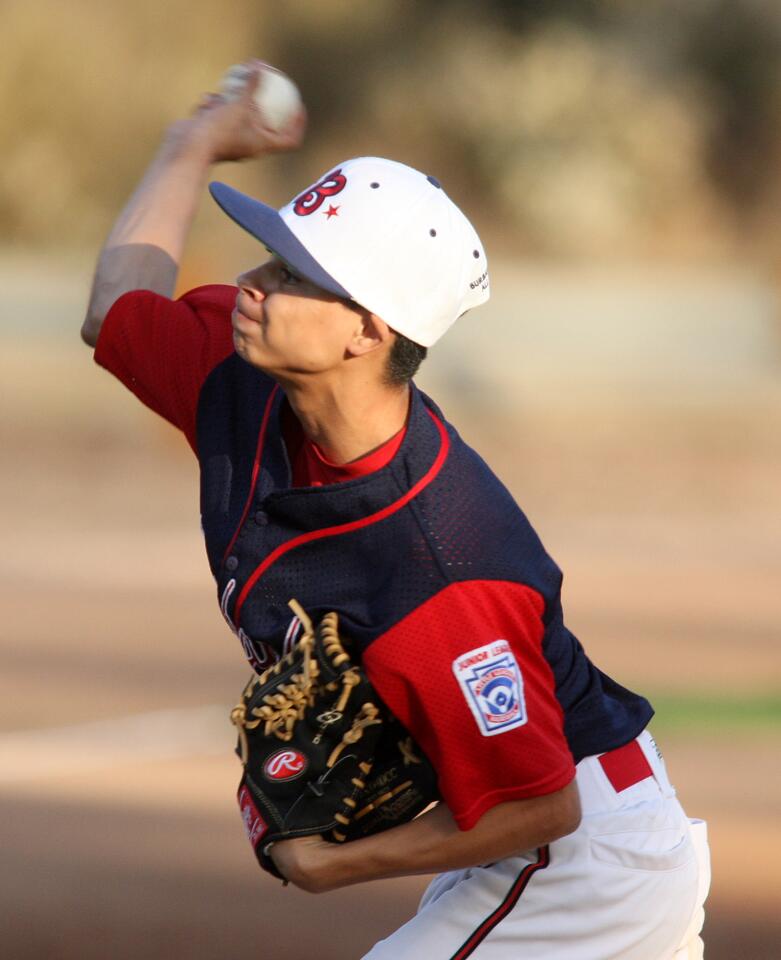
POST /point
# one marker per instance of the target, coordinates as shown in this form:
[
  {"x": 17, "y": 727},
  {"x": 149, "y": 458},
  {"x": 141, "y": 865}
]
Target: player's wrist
[
  {"x": 306, "y": 862},
  {"x": 191, "y": 141}
]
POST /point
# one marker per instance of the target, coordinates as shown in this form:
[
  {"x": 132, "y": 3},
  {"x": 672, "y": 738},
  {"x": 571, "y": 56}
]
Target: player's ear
[{"x": 370, "y": 333}]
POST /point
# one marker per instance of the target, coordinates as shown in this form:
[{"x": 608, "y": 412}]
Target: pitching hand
[{"x": 233, "y": 128}]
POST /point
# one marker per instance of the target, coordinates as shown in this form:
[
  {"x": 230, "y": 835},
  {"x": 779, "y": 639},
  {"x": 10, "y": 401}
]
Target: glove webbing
[{"x": 280, "y": 711}]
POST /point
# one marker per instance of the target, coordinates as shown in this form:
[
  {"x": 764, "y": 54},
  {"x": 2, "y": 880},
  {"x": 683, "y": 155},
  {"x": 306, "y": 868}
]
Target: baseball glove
[{"x": 321, "y": 752}]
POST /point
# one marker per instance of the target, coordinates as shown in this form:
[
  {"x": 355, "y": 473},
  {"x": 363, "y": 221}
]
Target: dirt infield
[
  {"x": 108, "y": 610},
  {"x": 115, "y": 868}
]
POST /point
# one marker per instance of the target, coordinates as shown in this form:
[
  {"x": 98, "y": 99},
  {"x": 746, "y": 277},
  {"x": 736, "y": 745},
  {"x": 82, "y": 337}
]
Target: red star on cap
[{"x": 332, "y": 211}]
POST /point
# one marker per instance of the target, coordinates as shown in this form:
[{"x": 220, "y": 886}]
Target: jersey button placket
[{"x": 231, "y": 564}]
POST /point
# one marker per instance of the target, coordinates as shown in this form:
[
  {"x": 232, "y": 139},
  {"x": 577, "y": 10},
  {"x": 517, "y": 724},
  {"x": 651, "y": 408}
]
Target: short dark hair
[{"x": 403, "y": 360}]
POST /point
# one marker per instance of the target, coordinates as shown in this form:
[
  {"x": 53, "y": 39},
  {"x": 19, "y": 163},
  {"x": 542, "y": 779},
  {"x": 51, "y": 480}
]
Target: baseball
[{"x": 277, "y": 97}]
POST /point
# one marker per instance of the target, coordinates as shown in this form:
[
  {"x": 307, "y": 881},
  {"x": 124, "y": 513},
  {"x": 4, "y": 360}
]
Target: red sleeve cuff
[
  {"x": 162, "y": 350},
  {"x": 468, "y": 818}
]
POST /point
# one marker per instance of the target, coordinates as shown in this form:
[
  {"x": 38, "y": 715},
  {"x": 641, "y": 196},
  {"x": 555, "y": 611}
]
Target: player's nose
[{"x": 253, "y": 283}]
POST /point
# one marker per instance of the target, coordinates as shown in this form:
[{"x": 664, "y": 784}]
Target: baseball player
[{"x": 328, "y": 476}]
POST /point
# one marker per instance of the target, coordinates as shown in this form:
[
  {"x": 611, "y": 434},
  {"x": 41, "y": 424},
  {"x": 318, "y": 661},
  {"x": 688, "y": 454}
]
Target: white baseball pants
[{"x": 629, "y": 884}]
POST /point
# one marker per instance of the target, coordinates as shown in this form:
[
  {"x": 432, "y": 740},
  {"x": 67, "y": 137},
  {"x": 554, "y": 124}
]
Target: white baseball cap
[{"x": 380, "y": 233}]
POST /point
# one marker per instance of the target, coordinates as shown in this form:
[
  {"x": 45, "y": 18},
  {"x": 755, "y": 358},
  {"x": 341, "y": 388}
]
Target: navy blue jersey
[{"x": 436, "y": 573}]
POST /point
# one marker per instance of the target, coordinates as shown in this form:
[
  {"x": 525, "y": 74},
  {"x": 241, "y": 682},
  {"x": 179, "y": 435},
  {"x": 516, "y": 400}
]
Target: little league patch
[{"x": 492, "y": 685}]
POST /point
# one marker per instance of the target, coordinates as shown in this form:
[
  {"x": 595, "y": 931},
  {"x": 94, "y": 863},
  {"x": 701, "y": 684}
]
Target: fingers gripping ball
[
  {"x": 276, "y": 96},
  {"x": 308, "y": 730}
]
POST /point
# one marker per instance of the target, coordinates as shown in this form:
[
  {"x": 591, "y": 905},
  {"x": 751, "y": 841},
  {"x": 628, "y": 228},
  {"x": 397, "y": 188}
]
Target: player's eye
[{"x": 288, "y": 276}]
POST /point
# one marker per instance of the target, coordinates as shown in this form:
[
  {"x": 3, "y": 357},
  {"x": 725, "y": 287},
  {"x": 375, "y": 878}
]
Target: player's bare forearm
[
  {"x": 431, "y": 844},
  {"x": 145, "y": 246}
]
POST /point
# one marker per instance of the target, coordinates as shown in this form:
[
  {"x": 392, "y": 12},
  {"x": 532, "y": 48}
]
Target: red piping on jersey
[
  {"x": 341, "y": 528},
  {"x": 255, "y": 468},
  {"x": 512, "y": 898}
]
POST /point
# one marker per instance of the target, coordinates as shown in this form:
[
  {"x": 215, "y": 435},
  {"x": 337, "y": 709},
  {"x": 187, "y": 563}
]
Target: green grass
[{"x": 717, "y": 714}]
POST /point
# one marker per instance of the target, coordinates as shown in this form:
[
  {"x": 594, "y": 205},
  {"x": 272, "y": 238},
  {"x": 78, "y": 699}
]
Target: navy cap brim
[{"x": 266, "y": 225}]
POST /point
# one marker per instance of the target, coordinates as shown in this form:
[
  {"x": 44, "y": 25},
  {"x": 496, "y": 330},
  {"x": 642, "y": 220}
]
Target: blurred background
[{"x": 621, "y": 160}]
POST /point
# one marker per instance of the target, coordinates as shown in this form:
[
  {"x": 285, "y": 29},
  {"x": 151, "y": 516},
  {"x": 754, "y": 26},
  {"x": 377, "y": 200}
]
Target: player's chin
[
  {"x": 240, "y": 344},
  {"x": 251, "y": 351},
  {"x": 244, "y": 336}
]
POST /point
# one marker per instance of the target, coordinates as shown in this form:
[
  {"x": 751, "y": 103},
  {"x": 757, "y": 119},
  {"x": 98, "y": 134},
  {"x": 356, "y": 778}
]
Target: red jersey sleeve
[
  {"x": 467, "y": 675},
  {"x": 163, "y": 350}
]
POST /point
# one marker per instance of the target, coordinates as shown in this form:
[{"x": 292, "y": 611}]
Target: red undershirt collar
[{"x": 310, "y": 466}]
